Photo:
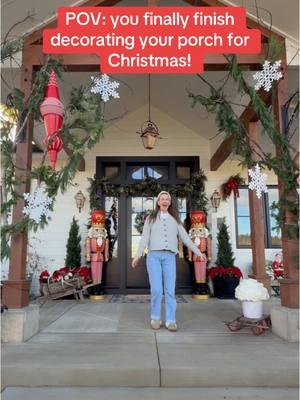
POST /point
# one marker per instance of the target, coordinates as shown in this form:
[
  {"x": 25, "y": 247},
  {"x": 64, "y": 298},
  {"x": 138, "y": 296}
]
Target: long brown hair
[{"x": 171, "y": 210}]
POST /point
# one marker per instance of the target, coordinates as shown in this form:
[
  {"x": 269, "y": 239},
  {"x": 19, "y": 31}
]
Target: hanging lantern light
[
  {"x": 80, "y": 200},
  {"x": 52, "y": 111},
  {"x": 149, "y": 131},
  {"x": 149, "y": 134},
  {"x": 215, "y": 200}
]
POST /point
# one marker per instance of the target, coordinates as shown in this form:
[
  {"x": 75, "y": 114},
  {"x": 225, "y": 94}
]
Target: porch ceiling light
[
  {"x": 80, "y": 200},
  {"x": 215, "y": 200},
  {"x": 149, "y": 131}
]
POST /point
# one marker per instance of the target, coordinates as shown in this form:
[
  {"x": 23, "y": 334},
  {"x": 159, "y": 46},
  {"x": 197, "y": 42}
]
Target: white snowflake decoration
[
  {"x": 258, "y": 182},
  {"x": 105, "y": 87},
  {"x": 37, "y": 205},
  {"x": 268, "y": 75}
]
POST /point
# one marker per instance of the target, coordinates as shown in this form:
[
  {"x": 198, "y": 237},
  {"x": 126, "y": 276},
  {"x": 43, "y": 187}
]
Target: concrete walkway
[{"x": 90, "y": 346}]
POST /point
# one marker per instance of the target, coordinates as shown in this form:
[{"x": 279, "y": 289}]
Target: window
[
  {"x": 112, "y": 172},
  {"x": 242, "y": 212},
  {"x": 183, "y": 172},
  {"x": 140, "y": 172}
]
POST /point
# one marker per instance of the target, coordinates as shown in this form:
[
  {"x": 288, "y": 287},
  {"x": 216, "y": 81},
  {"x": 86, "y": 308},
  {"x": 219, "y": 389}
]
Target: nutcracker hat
[
  {"x": 198, "y": 219},
  {"x": 98, "y": 218}
]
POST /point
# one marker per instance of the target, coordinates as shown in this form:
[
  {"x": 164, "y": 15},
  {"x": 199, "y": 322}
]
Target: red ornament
[{"x": 52, "y": 111}]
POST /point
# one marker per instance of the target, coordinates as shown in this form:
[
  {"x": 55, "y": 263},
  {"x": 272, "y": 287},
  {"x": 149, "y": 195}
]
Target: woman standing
[{"x": 160, "y": 234}]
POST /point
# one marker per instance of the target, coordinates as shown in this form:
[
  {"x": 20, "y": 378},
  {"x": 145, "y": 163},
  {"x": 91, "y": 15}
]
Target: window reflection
[
  {"x": 141, "y": 172},
  {"x": 111, "y": 225},
  {"x": 111, "y": 172},
  {"x": 138, "y": 173},
  {"x": 243, "y": 203},
  {"x": 275, "y": 235},
  {"x": 141, "y": 207},
  {"x": 183, "y": 172}
]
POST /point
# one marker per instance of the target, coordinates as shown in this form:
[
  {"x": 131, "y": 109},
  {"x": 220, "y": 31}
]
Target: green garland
[
  {"x": 100, "y": 187},
  {"x": 83, "y": 113},
  {"x": 229, "y": 124}
]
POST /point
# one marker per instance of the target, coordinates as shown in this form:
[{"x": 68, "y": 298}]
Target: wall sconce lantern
[
  {"x": 80, "y": 200},
  {"x": 215, "y": 200},
  {"x": 149, "y": 130}
]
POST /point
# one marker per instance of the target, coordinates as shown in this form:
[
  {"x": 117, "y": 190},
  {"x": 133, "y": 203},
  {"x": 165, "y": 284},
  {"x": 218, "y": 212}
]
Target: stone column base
[
  {"x": 285, "y": 323},
  {"x": 20, "y": 324}
]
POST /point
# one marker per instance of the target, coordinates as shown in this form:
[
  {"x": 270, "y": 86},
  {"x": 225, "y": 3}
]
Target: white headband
[{"x": 163, "y": 192}]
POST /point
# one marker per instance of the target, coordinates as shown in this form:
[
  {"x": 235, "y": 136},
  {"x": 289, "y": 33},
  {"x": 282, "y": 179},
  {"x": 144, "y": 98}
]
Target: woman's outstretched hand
[{"x": 134, "y": 262}]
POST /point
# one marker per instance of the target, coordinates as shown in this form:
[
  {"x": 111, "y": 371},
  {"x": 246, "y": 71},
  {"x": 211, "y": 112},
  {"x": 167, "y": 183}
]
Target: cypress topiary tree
[
  {"x": 73, "y": 258},
  {"x": 225, "y": 254}
]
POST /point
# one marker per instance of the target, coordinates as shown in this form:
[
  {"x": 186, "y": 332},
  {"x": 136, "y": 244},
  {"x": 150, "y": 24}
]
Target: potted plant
[
  {"x": 225, "y": 276},
  {"x": 252, "y": 294}
]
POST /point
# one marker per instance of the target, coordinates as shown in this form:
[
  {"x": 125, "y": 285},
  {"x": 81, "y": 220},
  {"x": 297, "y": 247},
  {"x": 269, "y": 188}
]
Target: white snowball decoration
[{"x": 251, "y": 290}]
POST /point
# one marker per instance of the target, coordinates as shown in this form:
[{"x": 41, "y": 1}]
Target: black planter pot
[{"x": 224, "y": 286}]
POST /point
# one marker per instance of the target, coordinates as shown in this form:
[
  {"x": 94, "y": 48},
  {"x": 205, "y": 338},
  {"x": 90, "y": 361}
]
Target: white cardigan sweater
[{"x": 162, "y": 234}]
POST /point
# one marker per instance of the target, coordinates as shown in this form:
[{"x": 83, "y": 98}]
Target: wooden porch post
[
  {"x": 16, "y": 288},
  {"x": 289, "y": 287},
  {"x": 257, "y": 223}
]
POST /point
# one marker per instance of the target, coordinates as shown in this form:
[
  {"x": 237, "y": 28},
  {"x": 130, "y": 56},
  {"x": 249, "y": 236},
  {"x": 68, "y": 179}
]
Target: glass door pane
[
  {"x": 112, "y": 270},
  {"x": 138, "y": 209}
]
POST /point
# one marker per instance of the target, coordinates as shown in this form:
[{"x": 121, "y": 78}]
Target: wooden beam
[
  {"x": 16, "y": 288},
  {"x": 221, "y": 154},
  {"x": 289, "y": 286},
  {"x": 33, "y": 55},
  {"x": 257, "y": 218},
  {"x": 37, "y": 35},
  {"x": 248, "y": 115},
  {"x": 251, "y": 23}
]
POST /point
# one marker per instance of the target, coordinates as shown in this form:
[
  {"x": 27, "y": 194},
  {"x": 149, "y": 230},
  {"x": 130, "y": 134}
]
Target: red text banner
[{"x": 151, "y": 39}]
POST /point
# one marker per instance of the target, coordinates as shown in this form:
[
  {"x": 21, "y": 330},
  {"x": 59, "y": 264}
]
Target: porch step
[
  {"x": 125, "y": 393},
  {"x": 149, "y": 359}
]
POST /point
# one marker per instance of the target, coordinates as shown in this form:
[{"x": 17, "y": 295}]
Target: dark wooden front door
[{"x": 125, "y": 220}]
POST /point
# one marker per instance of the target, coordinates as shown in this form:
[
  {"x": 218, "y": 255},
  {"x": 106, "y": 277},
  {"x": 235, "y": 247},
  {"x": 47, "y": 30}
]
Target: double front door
[
  {"x": 125, "y": 216},
  {"x": 125, "y": 220}
]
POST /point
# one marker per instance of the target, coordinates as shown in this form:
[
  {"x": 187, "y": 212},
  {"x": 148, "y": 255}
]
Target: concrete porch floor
[{"x": 100, "y": 350}]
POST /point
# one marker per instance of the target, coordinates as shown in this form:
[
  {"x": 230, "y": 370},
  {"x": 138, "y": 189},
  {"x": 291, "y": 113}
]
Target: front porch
[{"x": 90, "y": 346}]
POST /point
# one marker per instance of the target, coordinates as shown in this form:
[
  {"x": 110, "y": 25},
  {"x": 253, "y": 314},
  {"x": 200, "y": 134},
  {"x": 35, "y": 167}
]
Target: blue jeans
[{"x": 161, "y": 267}]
